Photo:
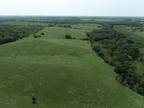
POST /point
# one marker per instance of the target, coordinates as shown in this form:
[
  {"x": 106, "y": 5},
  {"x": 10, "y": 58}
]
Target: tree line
[
  {"x": 10, "y": 33},
  {"x": 120, "y": 51}
]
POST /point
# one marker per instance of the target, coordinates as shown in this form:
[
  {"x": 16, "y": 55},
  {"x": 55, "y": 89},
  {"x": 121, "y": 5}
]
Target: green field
[{"x": 61, "y": 73}]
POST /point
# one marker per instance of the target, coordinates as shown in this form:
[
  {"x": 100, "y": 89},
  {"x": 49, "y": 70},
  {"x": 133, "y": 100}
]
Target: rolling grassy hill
[{"x": 61, "y": 73}]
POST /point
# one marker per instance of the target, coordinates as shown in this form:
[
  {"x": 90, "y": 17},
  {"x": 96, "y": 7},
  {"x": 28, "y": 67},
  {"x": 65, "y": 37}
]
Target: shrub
[
  {"x": 42, "y": 33},
  {"x": 67, "y": 36},
  {"x": 36, "y": 36}
]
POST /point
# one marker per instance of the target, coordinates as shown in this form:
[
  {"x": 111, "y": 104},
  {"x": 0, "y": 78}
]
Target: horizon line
[{"x": 70, "y": 16}]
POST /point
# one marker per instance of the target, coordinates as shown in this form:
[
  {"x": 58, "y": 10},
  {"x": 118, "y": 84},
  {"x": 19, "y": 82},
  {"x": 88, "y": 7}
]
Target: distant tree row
[{"x": 10, "y": 33}]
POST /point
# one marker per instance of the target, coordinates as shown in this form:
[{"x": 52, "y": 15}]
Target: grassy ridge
[{"x": 60, "y": 73}]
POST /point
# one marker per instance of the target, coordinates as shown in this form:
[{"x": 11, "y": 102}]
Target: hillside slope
[{"x": 60, "y": 73}]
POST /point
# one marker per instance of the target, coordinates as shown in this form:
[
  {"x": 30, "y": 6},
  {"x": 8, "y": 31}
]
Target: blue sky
[{"x": 73, "y": 7}]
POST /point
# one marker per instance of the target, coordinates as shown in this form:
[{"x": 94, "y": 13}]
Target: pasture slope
[{"x": 61, "y": 73}]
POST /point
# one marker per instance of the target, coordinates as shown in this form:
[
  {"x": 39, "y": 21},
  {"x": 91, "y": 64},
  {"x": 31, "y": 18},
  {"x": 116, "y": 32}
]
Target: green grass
[
  {"x": 141, "y": 34},
  {"x": 87, "y": 27},
  {"x": 59, "y": 32},
  {"x": 60, "y": 73}
]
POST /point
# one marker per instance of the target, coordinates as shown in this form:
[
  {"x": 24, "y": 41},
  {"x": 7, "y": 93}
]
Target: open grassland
[
  {"x": 61, "y": 73},
  {"x": 86, "y": 27},
  {"x": 60, "y": 32}
]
